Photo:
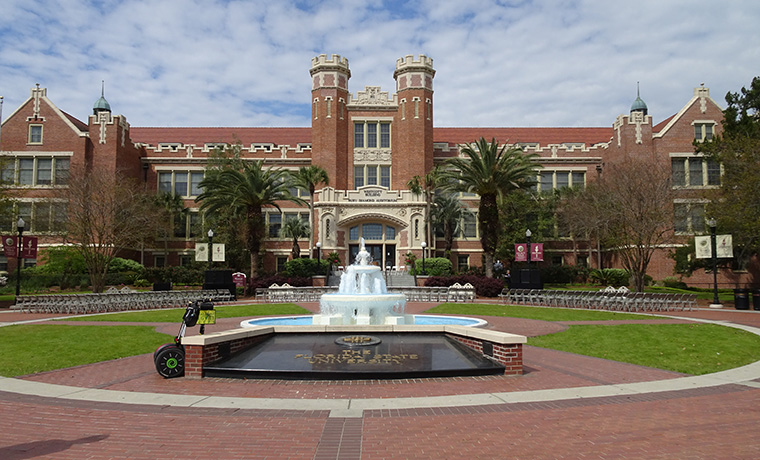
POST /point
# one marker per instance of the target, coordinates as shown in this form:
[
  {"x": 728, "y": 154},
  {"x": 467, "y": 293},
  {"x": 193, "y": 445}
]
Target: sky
[{"x": 498, "y": 63}]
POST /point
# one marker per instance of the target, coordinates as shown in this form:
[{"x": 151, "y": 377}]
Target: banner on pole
[
  {"x": 724, "y": 247},
  {"x": 521, "y": 252},
  {"x": 29, "y": 247},
  {"x": 10, "y": 246},
  {"x": 537, "y": 252},
  {"x": 201, "y": 252}
]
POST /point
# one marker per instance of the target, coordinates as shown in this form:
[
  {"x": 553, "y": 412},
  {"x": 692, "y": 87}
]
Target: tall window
[
  {"x": 372, "y": 134},
  {"x": 35, "y": 134},
  {"x": 372, "y": 232},
  {"x": 469, "y": 226},
  {"x": 39, "y": 216},
  {"x": 689, "y": 217},
  {"x": 275, "y": 220}
]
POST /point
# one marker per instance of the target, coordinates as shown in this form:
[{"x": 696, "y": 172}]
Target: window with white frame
[
  {"x": 275, "y": 219},
  {"x": 372, "y": 232},
  {"x": 703, "y": 131},
  {"x": 372, "y": 175},
  {"x": 469, "y": 226},
  {"x": 689, "y": 217},
  {"x": 694, "y": 171},
  {"x": 39, "y": 217},
  {"x": 35, "y": 134},
  {"x": 187, "y": 225},
  {"x": 182, "y": 183},
  {"x": 551, "y": 180},
  {"x": 372, "y": 134},
  {"x": 36, "y": 170}
]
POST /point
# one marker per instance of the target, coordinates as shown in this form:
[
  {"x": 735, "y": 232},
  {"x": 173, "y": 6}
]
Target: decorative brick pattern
[{"x": 511, "y": 355}]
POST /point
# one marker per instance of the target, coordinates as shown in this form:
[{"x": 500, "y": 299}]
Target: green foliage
[
  {"x": 539, "y": 313},
  {"x": 119, "y": 265},
  {"x": 521, "y": 210},
  {"x": 409, "y": 259},
  {"x": 333, "y": 258},
  {"x": 304, "y": 268},
  {"x": 484, "y": 286},
  {"x": 675, "y": 283},
  {"x": 434, "y": 266},
  {"x": 61, "y": 259},
  {"x": 192, "y": 275},
  {"x": 170, "y": 315},
  {"x": 610, "y": 277}
]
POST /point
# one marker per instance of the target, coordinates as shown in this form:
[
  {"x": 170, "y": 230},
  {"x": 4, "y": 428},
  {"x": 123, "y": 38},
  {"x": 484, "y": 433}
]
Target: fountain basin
[
  {"x": 362, "y": 309},
  {"x": 424, "y": 320}
]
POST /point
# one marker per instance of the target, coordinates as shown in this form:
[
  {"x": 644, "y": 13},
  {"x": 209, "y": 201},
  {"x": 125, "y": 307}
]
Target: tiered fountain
[{"x": 362, "y": 297}]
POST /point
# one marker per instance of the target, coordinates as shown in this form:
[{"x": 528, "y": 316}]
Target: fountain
[{"x": 362, "y": 297}]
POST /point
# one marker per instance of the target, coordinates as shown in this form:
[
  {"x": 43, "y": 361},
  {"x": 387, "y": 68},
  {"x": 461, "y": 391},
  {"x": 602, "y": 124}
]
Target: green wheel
[{"x": 170, "y": 361}]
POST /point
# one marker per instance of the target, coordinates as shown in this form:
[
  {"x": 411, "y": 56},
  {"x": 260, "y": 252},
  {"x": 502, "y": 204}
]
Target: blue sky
[{"x": 498, "y": 62}]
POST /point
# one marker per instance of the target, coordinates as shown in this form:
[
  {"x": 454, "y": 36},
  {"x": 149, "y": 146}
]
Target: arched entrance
[{"x": 380, "y": 239}]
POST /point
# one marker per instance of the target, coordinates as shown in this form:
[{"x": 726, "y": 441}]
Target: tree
[
  {"x": 173, "y": 206},
  {"x": 244, "y": 193},
  {"x": 294, "y": 228},
  {"x": 736, "y": 204},
  {"x": 490, "y": 171},
  {"x": 632, "y": 204},
  {"x": 447, "y": 216},
  {"x": 426, "y": 185},
  {"x": 106, "y": 215},
  {"x": 307, "y": 178}
]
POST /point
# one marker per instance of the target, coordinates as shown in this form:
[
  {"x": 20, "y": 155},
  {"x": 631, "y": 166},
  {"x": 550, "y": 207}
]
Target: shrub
[
  {"x": 673, "y": 282},
  {"x": 304, "y": 268},
  {"x": 434, "y": 266},
  {"x": 610, "y": 277},
  {"x": 119, "y": 265},
  {"x": 142, "y": 282}
]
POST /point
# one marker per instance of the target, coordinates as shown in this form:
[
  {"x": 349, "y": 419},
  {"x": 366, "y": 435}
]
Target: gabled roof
[
  {"x": 543, "y": 136},
  {"x": 201, "y": 136},
  {"x": 76, "y": 122}
]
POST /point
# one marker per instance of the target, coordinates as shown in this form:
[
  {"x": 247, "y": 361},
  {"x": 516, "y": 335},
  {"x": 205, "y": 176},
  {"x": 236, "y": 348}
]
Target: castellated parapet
[
  {"x": 414, "y": 73},
  {"x": 335, "y": 63}
]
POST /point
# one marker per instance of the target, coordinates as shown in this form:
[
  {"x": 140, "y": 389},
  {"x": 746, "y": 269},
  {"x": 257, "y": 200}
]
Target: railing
[
  {"x": 115, "y": 301},
  {"x": 601, "y": 300},
  {"x": 455, "y": 293}
]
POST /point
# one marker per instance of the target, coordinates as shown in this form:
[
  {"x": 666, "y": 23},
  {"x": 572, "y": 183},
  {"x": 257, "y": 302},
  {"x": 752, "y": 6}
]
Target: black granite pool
[{"x": 339, "y": 356}]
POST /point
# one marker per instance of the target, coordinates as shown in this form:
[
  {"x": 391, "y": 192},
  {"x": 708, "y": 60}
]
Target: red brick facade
[{"x": 380, "y": 139}]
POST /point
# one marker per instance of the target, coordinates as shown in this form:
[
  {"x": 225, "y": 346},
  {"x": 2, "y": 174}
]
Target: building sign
[
  {"x": 537, "y": 252},
  {"x": 239, "y": 279},
  {"x": 372, "y": 195},
  {"x": 201, "y": 252},
  {"x": 521, "y": 252},
  {"x": 724, "y": 247}
]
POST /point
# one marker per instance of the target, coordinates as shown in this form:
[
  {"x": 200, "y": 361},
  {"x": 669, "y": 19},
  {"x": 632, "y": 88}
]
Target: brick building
[{"x": 371, "y": 144}]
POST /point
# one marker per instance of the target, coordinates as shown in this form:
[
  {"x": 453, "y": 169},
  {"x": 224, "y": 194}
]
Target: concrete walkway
[{"x": 565, "y": 406}]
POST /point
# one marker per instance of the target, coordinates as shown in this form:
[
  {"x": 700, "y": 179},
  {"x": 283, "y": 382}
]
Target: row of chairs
[
  {"x": 115, "y": 301},
  {"x": 285, "y": 293},
  {"x": 602, "y": 300}
]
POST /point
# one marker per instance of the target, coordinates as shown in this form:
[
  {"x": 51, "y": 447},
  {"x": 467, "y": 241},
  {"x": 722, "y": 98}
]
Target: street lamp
[
  {"x": 319, "y": 257},
  {"x": 527, "y": 236},
  {"x": 714, "y": 250},
  {"x": 19, "y": 247},
  {"x": 424, "y": 245},
  {"x": 210, "y": 246}
]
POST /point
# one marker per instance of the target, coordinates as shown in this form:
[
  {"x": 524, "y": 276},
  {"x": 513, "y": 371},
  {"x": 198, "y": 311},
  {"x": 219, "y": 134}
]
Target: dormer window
[{"x": 35, "y": 134}]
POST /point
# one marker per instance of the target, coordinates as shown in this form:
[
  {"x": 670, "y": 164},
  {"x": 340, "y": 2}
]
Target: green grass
[
  {"x": 30, "y": 349},
  {"x": 689, "y": 348},
  {"x": 174, "y": 315},
  {"x": 540, "y": 313}
]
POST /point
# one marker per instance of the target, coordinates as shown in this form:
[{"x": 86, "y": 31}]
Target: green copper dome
[
  {"x": 101, "y": 105},
  {"x": 639, "y": 105}
]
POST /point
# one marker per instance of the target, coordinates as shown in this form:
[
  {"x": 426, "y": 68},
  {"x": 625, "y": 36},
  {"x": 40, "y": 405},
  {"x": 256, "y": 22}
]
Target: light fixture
[{"x": 210, "y": 233}]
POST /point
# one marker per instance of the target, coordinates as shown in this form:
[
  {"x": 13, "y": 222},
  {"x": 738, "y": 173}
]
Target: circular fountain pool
[{"x": 426, "y": 320}]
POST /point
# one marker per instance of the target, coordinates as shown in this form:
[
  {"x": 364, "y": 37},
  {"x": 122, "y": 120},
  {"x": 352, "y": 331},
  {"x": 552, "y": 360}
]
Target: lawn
[
  {"x": 174, "y": 315},
  {"x": 540, "y": 313}
]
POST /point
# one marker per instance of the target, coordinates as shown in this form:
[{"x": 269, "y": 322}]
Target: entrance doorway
[{"x": 383, "y": 255}]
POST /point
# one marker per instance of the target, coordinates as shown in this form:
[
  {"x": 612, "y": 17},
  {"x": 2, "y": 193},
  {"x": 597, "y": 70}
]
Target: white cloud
[{"x": 498, "y": 63}]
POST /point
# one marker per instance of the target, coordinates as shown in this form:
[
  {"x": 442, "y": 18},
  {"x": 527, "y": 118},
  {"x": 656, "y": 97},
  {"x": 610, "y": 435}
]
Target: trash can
[
  {"x": 741, "y": 299},
  {"x": 756, "y": 299}
]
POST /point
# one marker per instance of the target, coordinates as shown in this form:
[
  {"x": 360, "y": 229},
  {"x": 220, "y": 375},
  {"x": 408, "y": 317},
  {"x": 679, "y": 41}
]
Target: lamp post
[
  {"x": 210, "y": 246},
  {"x": 19, "y": 248},
  {"x": 714, "y": 250},
  {"x": 527, "y": 236},
  {"x": 319, "y": 257},
  {"x": 424, "y": 245}
]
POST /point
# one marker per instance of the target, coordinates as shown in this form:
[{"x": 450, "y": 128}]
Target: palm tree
[
  {"x": 490, "y": 171},
  {"x": 174, "y": 206},
  {"x": 307, "y": 178},
  {"x": 295, "y": 228},
  {"x": 427, "y": 185},
  {"x": 243, "y": 193},
  {"x": 447, "y": 216}
]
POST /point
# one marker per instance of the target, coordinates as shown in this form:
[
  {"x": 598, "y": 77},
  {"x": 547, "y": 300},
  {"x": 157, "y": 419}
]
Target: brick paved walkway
[{"x": 442, "y": 418}]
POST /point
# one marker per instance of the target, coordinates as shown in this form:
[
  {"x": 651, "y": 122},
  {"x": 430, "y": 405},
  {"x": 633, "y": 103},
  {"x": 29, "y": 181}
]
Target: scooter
[{"x": 170, "y": 358}]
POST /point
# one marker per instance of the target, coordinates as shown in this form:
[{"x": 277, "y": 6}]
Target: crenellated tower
[
  {"x": 414, "y": 130},
  {"x": 329, "y": 117}
]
